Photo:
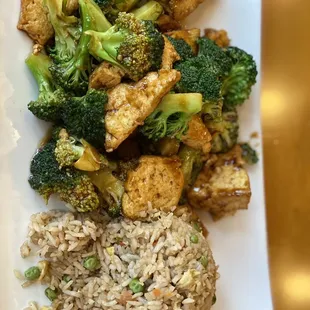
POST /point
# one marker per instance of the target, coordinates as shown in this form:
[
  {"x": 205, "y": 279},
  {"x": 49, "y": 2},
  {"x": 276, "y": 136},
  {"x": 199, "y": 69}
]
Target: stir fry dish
[{"x": 144, "y": 121}]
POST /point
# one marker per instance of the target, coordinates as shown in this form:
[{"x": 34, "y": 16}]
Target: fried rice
[{"x": 163, "y": 252}]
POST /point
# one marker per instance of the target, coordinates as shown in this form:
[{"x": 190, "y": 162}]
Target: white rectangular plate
[{"x": 238, "y": 243}]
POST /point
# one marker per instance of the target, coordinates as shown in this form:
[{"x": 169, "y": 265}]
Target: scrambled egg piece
[
  {"x": 105, "y": 76},
  {"x": 158, "y": 180},
  {"x": 223, "y": 186},
  {"x": 190, "y": 36},
  {"x": 130, "y": 104},
  {"x": 34, "y": 20},
  {"x": 180, "y": 9},
  {"x": 170, "y": 55},
  {"x": 198, "y": 136},
  {"x": 220, "y": 37},
  {"x": 188, "y": 279}
]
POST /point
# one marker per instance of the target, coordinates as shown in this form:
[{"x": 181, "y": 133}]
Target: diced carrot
[{"x": 157, "y": 292}]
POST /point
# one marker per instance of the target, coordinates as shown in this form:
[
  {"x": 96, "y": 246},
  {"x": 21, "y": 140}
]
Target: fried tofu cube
[
  {"x": 106, "y": 76},
  {"x": 157, "y": 181},
  {"x": 220, "y": 37},
  {"x": 170, "y": 55},
  {"x": 35, "y": 22},
  {"x": 231, "y": 191},
  {"x": 180, "y": 9},
  {"x": 167, "y": 23},
  {"x": 130, "y": 104},
  {"x": 222, "y": 187},
  {"x": 198, "y": 136},
  {"x": 190, "y": 36}
]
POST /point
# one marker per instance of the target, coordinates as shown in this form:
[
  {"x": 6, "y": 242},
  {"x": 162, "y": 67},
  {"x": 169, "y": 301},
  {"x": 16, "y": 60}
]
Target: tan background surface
[{"x": 286, "y": 128}]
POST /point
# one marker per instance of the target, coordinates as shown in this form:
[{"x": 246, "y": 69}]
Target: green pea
[
  {"x": 194, "y": 238},
  {"x": 91, "y": 263},
  {"x": 197, "y": 226},
  {"x": 136, "y": 286},
  {"x": 66, "y": 278},
  {"x": 214, "y": 299},
  {"x": 32, "y": 273},
  {"x": 50, "y": 294},
  {"x": 204, "y": 261}
]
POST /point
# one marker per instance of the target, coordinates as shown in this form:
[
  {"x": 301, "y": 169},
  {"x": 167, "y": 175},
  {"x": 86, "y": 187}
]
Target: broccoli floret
[
  {"x": 202, "y": 74},
  {"x": 249, "y": 154},
  {"x": 242, "y": 76},
  {"x": 191, "y": 164},
  {"x": 67, "y": 31},
  {"x": 134, "y": 45},
  {"x": 83, "y": 117},
  {"x": 73, "y": 74},
  {"x": 149, "y": 11},
  {"x": 224, "y": 133},
  {"x": 72, "y": 186},
  {"x": 82, "y": 196},
  {"x": 71, "y": 151},
  {"x": 68, "y": 149},
  {"x": 45, "y": 172},
  {"x": 50, "y": 101},
  {"x": 182, "y": 48},
  {"x": 217, "y": 59},
  {"x": 212, "y": 111},
  {"x": 171, "y": 117},
  {"x": 198, "y": 77}
]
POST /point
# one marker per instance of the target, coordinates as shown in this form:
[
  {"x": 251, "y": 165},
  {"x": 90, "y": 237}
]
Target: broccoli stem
[
  {"x": 186, "y": 103},
  {"x": 125, "y": 5},
  {"x": 111, "y": 189},
  {"x": 149, "y": 11},
  {"x": 104, "y": 45},
  {"x": 95, "y": 18},
  {"x": 78, "y": 151},
  {"x": 72, "y": 75},
  {"x": 133, "y": 45},
  {"x": 66, "y": 30},
  {"x": 171, "y": 117},
  {"x": 111, "y": 42},
  {"x": 39, "y": 67},
  {"x": 92, "y": 19},
  {"x": 191, "y": 164}
]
